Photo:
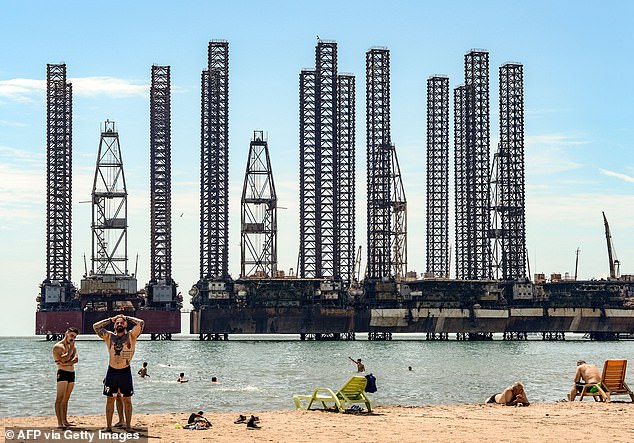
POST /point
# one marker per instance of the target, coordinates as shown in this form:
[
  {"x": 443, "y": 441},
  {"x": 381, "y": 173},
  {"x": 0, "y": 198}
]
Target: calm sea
[{"x": 259, "y": 373}]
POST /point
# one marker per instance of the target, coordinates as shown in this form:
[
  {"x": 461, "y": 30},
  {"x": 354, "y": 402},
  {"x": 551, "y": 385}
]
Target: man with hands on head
[{"x": 121, "y": 345}]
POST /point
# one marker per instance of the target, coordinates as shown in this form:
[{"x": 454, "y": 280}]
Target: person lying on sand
[{"x": 514, "y": 395}]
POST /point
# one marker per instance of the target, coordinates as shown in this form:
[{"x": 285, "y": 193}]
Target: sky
[{"x": 579, "y": 134}]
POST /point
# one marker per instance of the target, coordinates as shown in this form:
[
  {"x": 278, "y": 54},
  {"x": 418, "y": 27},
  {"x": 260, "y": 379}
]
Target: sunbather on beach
[
  {"x": 586, "y": 374},
  {"x": 511, "y": 396}
]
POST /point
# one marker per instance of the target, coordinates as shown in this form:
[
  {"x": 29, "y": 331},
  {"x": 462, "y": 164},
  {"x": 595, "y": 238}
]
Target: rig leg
[
  {"x": 474, "y": 336},
  {"x": 553, "y": 336},
  {"x": 515, "y": 336},
  {"x": 161, "y": 336},
  {"x": 604, "y": 336},
  {"x": 433, "y": 336},
  {"x": 379, "y": 336}
]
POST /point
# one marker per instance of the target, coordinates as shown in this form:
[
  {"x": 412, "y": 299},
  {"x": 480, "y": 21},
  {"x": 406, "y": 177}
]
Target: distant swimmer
[
  {"x": 181, "y": 378},
  {"x": 359, "y": 363},
  {"x": 214, "y": 380},
  {"x": 65, "y": 356},
  {"x": 121, "y": 346},
  {"x": 409, "y": 368},
  {"x": 143, "y": 371}
]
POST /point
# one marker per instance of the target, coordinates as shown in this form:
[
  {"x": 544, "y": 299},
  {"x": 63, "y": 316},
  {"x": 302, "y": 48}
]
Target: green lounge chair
[{"x": 351, "y": 392}]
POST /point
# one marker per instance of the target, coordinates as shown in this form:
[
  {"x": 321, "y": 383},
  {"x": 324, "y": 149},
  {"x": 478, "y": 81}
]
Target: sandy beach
[{"x": 539, "y": 422}]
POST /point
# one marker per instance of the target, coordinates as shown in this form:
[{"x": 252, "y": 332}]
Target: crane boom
[{"x": 608, "y": 239}]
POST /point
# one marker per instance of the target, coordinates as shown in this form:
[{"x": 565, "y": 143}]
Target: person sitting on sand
[
  {"x": 586, "y": 374},
  {"x": 512, "y": 396},
  {"x": 143, "y": 371},
  {"x": 181, "y": 378},
  {"x": 360, "y": 367}
]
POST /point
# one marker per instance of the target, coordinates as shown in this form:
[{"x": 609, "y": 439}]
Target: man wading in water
[{"x": 121, "y": 344}]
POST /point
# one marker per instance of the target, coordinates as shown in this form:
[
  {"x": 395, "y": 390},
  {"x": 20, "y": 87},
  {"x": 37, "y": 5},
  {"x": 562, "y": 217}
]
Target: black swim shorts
[
  {"x": 118, "y": 380},
  {"x": 580, "y": 386},
  {"x": 68, "y": 376},
  {"x": 491, "y": 399}
]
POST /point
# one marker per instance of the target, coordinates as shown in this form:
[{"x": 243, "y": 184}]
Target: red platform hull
[{"x": 56, "y": 322}]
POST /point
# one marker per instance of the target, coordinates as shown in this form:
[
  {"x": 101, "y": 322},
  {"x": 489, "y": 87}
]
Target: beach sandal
[
  {"x": 241, "y": 419},
  {"x": 252, "y": 423}
]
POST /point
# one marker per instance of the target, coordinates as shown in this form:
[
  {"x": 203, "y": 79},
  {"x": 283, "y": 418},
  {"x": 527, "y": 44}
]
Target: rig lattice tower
[
  {"x": 472, "y": 245},
  {"x": 438, "y": 176},
  {"x": 161, "y": 289},
  {"x": 57, "y": 290},
  {"x": 508, "y": 197},
  {"x": 399, "y": 220},
  {"x": 326, "y": 168},
  {"x": 259, "y": 213},
  {"x": 214, "y": 176},
  {"x": 109, "y": 208},
  {"x": 379, "y": 171}
]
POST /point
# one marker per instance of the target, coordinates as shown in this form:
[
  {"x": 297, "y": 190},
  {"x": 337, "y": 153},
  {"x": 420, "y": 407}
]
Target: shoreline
[{"x": 539, "y": 422}]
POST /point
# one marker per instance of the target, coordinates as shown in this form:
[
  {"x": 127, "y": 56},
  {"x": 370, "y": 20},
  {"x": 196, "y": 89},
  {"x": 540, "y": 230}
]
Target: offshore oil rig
[
  {"x": 327, "y": 298},
  {"x": 108, "y": 287}
]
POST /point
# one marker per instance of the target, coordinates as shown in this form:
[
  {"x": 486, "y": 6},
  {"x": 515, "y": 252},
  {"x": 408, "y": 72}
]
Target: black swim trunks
[
  {"x": 68, "y": 376},
  {"x": 491, "y": 399},
  {"x": 118, "y": 380}
]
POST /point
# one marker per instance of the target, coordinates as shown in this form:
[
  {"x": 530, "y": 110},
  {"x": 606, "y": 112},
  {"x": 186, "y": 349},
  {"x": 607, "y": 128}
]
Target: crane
[{"x": 614, "y": 263}]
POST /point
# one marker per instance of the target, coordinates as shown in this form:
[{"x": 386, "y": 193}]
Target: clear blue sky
[{"x": 579, "y": 117}]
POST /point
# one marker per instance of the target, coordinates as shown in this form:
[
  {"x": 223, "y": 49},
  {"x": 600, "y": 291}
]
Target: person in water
[
  {"x": 181, "y": 378},
  {"x": 143, "y": 371},
  {"x": 121, "y": 346},
  {"x": 359, "y": 363},
  {"x": 65, "y": 357}
]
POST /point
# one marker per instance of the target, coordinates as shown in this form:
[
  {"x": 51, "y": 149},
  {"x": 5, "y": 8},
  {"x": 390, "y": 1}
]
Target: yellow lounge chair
[{"x": 351, "y": 392}]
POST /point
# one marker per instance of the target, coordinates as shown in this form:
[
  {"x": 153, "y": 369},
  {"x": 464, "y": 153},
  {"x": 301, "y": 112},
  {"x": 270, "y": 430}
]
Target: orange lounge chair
[{"x": 613, "y": 379}]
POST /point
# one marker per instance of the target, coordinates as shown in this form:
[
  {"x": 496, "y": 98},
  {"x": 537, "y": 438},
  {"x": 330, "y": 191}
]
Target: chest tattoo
[{"x": 119, "y": 341}]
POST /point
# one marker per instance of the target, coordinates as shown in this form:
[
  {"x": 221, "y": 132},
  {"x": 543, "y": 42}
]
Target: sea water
[{"x": 259, "y": 373}]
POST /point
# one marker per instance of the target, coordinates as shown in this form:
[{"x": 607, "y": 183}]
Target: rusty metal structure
[
  {"x": 215, "y": 282},
  {"x": 460, "y": 181},
  {"x": 161, "y": 289},
  {"x": 258, "y": 244},
  {"x": 399, "y": 220},
  {"x": 473, "y": 170},
  {"x": 109, "y": 208},
  {"x": 437, "y": 177},
  {"x": 346, "y": 166},
  {"x": 57, "y": 291},
  {"x": 327, "y": 151},
  {"x": 507, "y": 186},
  {"x": 379, "y": 168}
]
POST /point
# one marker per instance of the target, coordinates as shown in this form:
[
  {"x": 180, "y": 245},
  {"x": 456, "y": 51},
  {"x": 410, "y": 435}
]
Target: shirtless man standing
[
  {"x": 65, "y": 356},
  {"x": 121, "y": 345},
  {"x": 588, "y": 373}
]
